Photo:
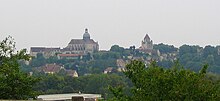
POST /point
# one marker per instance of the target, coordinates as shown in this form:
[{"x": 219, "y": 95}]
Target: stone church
[
  {"x": 74, "y": 48},
  {"x": 82, "y": 46}
]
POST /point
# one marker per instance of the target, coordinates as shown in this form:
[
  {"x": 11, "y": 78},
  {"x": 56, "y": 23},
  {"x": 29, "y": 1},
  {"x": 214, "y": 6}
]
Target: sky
[{"x": 53, "y": 23}]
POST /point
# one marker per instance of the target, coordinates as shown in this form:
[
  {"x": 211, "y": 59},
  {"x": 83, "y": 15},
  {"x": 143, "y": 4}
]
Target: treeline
[
  {"x": 95, "y": 84},
  {"x": 139, "y": 83},
  {"x": 192, "y": 56}
]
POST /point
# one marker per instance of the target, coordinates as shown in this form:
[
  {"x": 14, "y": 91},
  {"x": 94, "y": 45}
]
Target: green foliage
[
  {"x": 188, "y": 49},
  {"x": 209, "y": 50},
  {"x": 154, "y": 83},
  {"x": 14, "y": 83},
  {"x": 192, "y": 57},
  {"x": 38, "y": 61},
  {"x": 117, "y": 48},
  {"x": 163, "y": 48},
  {"x": 96, "y": 83},
  {"x": 106, "y": 55}
]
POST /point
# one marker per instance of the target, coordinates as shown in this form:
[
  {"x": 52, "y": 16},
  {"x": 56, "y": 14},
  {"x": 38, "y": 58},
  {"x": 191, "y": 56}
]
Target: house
[
  {"x": 72, "y": 73},
  {"x": 121, "y": 64},
  {"x": 54, "y": 68},
  {"x": 108, "y": 70},
  {"x": 51, "y": 68},
  {"x": 69, "y": 56}
]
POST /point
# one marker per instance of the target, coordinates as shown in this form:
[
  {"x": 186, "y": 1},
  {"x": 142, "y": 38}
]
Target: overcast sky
[{"x": 54, "y": 23}]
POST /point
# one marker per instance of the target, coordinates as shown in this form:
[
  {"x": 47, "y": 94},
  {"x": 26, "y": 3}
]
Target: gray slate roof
[{"x": 81, "y": 41}]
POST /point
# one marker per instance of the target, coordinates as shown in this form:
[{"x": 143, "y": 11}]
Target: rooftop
[{"x": 66, "y": 96}]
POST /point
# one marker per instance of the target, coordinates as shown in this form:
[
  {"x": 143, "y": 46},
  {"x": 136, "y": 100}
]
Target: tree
[
  {"x": 163, "y": 48},
  {"x": 117, "y": 48},
  {"x": 184, "y": 49},
  {"x": 209, "y": 50},
  {"x": 38, "y": 61},
  {"x": 14, "y": 83},
  {"x": 154, "y": 83}
]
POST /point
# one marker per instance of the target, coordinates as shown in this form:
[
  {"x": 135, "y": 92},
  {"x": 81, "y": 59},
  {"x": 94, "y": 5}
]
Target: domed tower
[{"x": 86, "y": 35}]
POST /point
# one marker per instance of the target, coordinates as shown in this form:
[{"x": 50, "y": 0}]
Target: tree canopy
[
  {"x": 153, "y": 83},
  {"x": 163, "y": 48},
  {"x": 14, "y": 83}
]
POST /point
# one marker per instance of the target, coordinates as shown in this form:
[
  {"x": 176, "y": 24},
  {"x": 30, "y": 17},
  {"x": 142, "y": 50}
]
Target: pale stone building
[
  {"x": 147, "y": 43},
  {"x": 147, "y": 47},
  {"x": 47, "y": 52},
  {"x": 82, "y": 46},
  {"x": 75, "y": 47}
]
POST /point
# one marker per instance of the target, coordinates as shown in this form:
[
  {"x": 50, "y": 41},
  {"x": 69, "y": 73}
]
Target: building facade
[
  {"x": 47, "y": 52},
  {"x": 76, "y": 47},
  {"x": 147, "y": 46},
  {"x": 147, "y": 43},
  {"x": 82, "y": 46}
]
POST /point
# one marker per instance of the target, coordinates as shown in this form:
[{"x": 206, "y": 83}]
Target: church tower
[
  {"x": 147, "y": 43},
  {"x": 86, "y": 35}
]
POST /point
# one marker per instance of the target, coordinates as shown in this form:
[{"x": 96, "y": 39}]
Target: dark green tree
[
  {"x": 163, "y": 48},
  {"x": 14, "y": 84},
  {"x": 38, "y": 61},
  {"x": 184, "y": 49},
  {"x": 154, "y": 83},
  {"x": 117, "y": 48},
  {"x": 209, "y": 50}
]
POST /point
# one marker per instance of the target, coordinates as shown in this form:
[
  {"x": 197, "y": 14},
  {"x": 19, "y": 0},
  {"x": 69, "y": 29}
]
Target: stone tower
[
  {"x": 86, "y": 36},
  {"x": 147, "y": 43}
]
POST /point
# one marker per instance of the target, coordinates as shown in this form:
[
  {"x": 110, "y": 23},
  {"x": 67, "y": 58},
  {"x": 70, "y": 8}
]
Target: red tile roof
[
  {"x": 51, "y": 68},
  {"x": 69, "y": 55}
]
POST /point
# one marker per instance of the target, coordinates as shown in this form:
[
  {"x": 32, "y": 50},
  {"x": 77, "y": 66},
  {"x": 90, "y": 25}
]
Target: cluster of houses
[{"x": 54, "y": 68}]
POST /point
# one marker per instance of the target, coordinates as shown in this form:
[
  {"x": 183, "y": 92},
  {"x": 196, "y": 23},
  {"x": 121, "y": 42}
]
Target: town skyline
[
  {"x": 53, "y": 23},
  {"x": 108, "y": 48}
]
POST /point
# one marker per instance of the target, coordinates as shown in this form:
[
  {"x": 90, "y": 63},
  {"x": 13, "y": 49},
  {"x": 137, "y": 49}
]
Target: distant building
[
  {"x": 147, "y": 46},
  {"x": 82, "y": 46},
  {"x": 51, "y": 68},
  {"x": 72, "y": 73},
  {"x": 75, "y": 48},
  {"x": 121, "y": 64},
  {"x": 54, "y": 68},
  {"x": 108, "y": 70},
  {"x": 69, "y": 56},
  {"x": 47, "y": 52},
  {"x": 70, "y": 97},
  {"x": 147, "y": 43},
  {"x": 218, "y": 47}
]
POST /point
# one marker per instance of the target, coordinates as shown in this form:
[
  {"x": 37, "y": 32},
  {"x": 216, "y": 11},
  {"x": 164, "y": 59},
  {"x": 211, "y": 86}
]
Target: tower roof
[
  {"x": 147, "y": 37},
  {"x": 86, "y": 35}
]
